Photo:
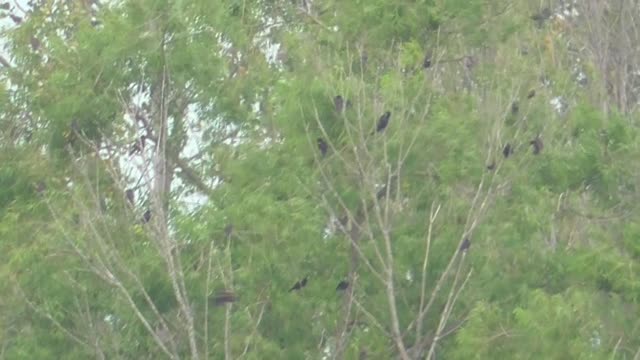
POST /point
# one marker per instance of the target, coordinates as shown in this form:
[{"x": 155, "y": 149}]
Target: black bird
[
  {"x": 130, "y": 196},
  {"x": 342, "y": 285},
  {"x": 426, "y": 63},
  {"x": 223, "y": 297},
  {"x": 299, "y": 285},
  {"x": 16, "y": 19},
  {"x": 322, "y": 145},
  {"x": 338, "y": 102},
  {"x": 383, "y": 121},
  {"x": 541, "y": 17},
  {"x": 466, "y": 243},
  {"x": 515, "y": 107},
  {"x": 531, "y": 94},
  {"x": 138, "y": 145},
  {"x": 537, "y": 145},
  {"x": 507, "y": 151},
  {"x": 146, "y": 216}
]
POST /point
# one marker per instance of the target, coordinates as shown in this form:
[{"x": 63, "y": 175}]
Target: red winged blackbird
[
  {"x": 342, "y": 285},
  {"x": 466, "y": 243},
  {"x": 322, "y": 145},
  {"x": 507, "y": 151},
  {"x": 129, "y": 194},
  {"x": 537, "y": 145},
  {"x": 531, "y": 94},
  {"x": 299, "y": 285},
  {"x": 223, "y": 297},
  {"x": 146, "y": 216},
  {"x": 383, "y": 121}
]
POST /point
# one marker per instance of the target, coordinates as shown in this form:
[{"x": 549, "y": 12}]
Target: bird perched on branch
[
  {"x": 466, "y": 243},
  {"x": 515, "y": 107},
  {"x": 223, "y": 297},
  {"x": 383, "y": 121},
  {"x": 138, "y": 145},
  {"x": 426, "y": 63},
  {"x": 130, "y": 195},
  {"x": 146, "y": 217},
  {"x": 507, "y": 151},
  {"x": 541, "y": 16},
  {"x": 537, "y": 145},
  {"x": 322, "y": 145},
  {"x": 342, "y": 285},
  {"x": 299, "y": 285},
  {"x": 531, "y": 94},
  {"x": 338, "y": 103}
]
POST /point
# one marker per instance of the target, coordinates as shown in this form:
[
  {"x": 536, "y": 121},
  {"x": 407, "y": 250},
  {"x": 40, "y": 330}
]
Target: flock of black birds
[
  {"x": 342, "y": 285},
  {"x": 508, "y": 149},
  {"x": 340, "y": 106},
  {"x": 226, "y": 296}
]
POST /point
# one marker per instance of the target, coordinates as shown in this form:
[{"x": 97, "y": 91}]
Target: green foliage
[{"x": 554, "y": 253}]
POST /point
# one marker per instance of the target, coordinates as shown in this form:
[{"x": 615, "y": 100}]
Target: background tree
[{"x": 211, "y": 114}]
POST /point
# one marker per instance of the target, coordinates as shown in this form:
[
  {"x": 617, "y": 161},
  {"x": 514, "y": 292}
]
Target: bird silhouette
[
  {"x": 299, "y": 285},
  {"x": 16, "y": 19},
  {"x": 129, "y": 194},
  {"x": 146, "y": 216},
  {"x": 342, "y": 285},
  {"x": 322, "y": 145},
  {"x": 507, "y": 151},
  {"x": 515, "y": 107},
  {"x": 537, "y": 145},
  {"x": 531, "y": 94},
  {"x": 223, "y": 297},
  {"x": 138, "y": 145},
  {"x": 338, "y": 102},
  {"x": 541, "y": 16},
  {"x": 383, "y": 121},
  {"x": 426, "y": 63},
  {"x": 466, "y": 243}
]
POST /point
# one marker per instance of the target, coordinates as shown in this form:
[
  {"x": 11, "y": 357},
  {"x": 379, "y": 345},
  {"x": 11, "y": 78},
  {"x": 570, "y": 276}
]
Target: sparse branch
[
  {"x": 433, "y": 215},
  {"x": 55, "y": 322}
]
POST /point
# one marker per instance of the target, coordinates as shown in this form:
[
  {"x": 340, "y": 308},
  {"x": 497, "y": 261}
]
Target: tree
[{"x": 208, "y": 117}]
